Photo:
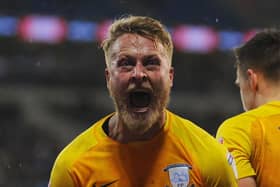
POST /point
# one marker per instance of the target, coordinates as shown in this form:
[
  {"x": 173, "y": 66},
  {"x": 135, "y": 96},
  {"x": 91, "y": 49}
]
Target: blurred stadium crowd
[{"x": 52, "y": 88}]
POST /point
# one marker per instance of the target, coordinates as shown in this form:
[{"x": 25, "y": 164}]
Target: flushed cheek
[
  {"x": 120, "y": 80},
  {"x": 156, "y": 76},
  {"x": 115, "y": 86},
  {"x": 118, "y": 88}
]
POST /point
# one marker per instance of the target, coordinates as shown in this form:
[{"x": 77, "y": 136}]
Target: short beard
[{"x": 141, "y": 122}]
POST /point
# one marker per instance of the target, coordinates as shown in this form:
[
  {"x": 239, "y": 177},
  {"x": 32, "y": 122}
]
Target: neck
[
  {"x": 269, "y": 93},
  {"x": 119, "y": 131}
]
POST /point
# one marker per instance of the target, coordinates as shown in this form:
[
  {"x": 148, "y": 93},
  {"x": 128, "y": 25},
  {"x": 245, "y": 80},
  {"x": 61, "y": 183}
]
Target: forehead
[{"x": 136, "y": 44}]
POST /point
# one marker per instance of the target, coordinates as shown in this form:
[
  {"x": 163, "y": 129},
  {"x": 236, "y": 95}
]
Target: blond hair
[{"x": 141, "y": 25}]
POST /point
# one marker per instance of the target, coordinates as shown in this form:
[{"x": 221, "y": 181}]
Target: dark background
[{"x": 49, "y": 93}]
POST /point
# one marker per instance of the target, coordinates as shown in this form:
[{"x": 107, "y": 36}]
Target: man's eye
[
  {"x": 125, "y": 62},
  {"x": 152, "y": 62}
]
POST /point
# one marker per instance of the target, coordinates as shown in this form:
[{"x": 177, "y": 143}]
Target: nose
[{"x": 139, "y": 72}]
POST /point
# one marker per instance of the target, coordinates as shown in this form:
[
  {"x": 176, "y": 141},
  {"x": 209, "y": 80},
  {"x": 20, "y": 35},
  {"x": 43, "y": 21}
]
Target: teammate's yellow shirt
[
  {"x": 93, "y": 159},
  {"x": 253, "y": 138}
]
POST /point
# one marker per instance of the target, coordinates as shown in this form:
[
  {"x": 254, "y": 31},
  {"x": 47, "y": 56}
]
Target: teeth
[{"x": 144, "y": 109}]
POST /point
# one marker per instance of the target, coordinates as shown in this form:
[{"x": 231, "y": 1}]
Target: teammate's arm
[
  {"x": 223, "y": 173},
  {"x": 247, "y": 182}
]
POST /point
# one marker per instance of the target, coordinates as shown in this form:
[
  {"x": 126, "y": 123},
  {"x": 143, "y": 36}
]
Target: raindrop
[
  {"x": 38, "y": 63},
  {"x": 20, "y": 165},
  {"x": 217, "y": 20}
]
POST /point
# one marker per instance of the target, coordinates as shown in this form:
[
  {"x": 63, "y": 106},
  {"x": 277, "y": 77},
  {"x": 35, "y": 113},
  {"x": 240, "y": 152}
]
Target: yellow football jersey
[
  {"x": 253, "y": 139},
  {"x": 182, "y": 154}
]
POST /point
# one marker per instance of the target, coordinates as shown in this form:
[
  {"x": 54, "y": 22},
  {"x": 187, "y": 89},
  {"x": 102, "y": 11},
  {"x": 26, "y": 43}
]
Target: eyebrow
[
  {"x": 113, "y": 55},
  {"x": 151, "y": 56}
]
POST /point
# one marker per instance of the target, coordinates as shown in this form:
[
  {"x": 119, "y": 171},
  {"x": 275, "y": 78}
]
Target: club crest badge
[{"x": 178, "y": 174}]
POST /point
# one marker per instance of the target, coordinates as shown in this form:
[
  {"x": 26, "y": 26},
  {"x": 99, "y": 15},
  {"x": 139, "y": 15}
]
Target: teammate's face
[
  {"x": 246, "y": 93},
  {"x": 139, "y": 78}
]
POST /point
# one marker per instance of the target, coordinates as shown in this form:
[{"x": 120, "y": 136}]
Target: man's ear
[
  {"x": 107, "y": 75},
  {"x": 171, "y": 76},
  {"x": 253, "y": 78}
]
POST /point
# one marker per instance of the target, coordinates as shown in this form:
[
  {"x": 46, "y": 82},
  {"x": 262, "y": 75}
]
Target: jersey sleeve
[
  {"x": 220, "y": 172},
  {"x": 62, "y": 172},
  {"x": 235, "y": 134},
  {"x": 60, "y": 176}
]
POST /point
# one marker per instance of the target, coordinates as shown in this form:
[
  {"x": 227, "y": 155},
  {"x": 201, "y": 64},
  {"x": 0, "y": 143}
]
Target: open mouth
[{"x": 140, "y": 99}]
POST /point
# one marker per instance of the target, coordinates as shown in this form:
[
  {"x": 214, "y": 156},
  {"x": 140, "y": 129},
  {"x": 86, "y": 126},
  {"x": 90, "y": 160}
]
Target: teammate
[
  {"x": 253, "y": 136},
  {"x": 142, "y": 144}
]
